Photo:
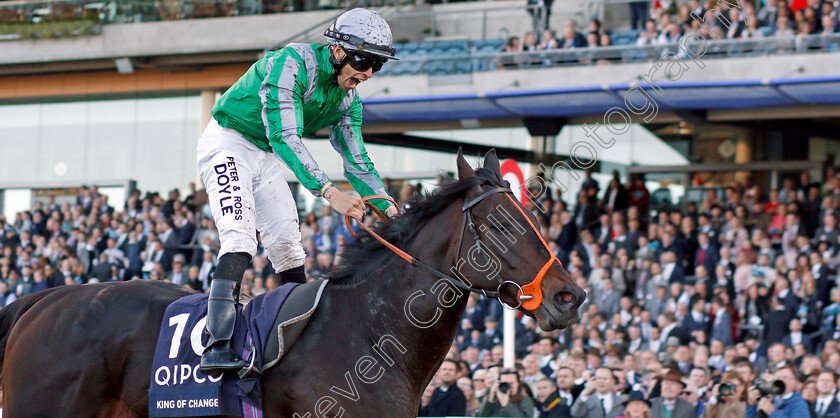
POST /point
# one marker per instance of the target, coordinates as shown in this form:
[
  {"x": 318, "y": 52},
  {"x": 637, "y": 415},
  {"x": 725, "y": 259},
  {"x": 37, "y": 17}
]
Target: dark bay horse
[{"x": 382, "y": 329}]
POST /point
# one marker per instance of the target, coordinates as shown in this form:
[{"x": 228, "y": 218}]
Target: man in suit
[
  {"x": 774, "y": 359},
  {"x": 606, "y": 296},
  {"x": 133, "y": 249},
  {"x": 826, "y": 405},
  {"x": 722, "y": 326},
  {"x": 775, "y": 326},
  {"x": 621, "y": 240},
  {"x": 184, "y": 228},
  {"x": 474, "y": 313},
  {"x": 586, "y": 213},
  {"x": 598, "y": 399},
  {"x": 587, "y": 251},
  {"x": 545, "y": 350},
  {"x": 178, "y": 275},
  {"x": 616, "y": 198},
  {"x": 643, "y": 281},
  {"x": 637, "y": 343},
  {"x": 793, "y": 228},
  {"x": 169, "y": 238},
  {"x": 568, "y": 235},
  {"x": 571, "y": 37},
  {"x": 447, "y": 399},
  {"x": 102, "y": 270},
  {"x": 706, "y": 255},
  {"x": 567, "y": 390},
  {"x": 671, "y": 328},
  {"x": 785, "y": 293},
  {"x": 206, "y": 269},
  {"x": 603, "y": 234},
  {"x": 829, "y": 232},
  {"x": 669, "y": 405},
  {"x": 671, "y": 242},
  {"x": 796, "y": 336},
  {"x": 657, "y": 301},
  {"x": 697, "y": 319},
  {"x": 491, "y": 335},
  {"x": 701, "y": 276},
  {"x": 704, "y": 225},
  {"x": 549, "y": 402},
  {"x": 821, "y": 273},
  {"x": 672, "y": 270}
]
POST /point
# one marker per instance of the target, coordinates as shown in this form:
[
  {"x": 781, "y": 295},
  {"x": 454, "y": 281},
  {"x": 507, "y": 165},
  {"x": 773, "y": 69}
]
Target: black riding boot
[
  {"x": 219, "y": 358},
  {"x": 293, "y": 275}
]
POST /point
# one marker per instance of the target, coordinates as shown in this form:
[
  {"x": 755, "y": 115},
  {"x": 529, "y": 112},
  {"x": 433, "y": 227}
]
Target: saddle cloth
[{"x": 265, "y": 330}]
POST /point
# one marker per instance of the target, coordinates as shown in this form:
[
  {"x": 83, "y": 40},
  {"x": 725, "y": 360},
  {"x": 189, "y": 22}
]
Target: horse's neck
[
  {"x": 420, "y": 311},
  {"x": 425, "y": 319}
]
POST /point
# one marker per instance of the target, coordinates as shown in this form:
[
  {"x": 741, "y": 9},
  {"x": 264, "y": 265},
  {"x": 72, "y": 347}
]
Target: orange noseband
[{"x": 531, "y": 294}]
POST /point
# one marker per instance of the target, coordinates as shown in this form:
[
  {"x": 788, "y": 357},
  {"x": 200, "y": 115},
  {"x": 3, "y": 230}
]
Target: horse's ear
[
  {"x": 464, "y": 169},
  {"x": 491, "y": 162}
]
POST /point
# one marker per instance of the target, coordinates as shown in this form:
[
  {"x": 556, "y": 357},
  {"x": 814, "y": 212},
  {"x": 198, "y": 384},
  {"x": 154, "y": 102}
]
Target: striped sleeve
[
  {"x": 346, "y": 138},
  {"x": 281, "y": 94}
]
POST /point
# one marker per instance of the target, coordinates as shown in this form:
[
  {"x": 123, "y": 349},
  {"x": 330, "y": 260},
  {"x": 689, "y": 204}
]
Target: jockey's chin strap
[{"x": 530, "y": 296}]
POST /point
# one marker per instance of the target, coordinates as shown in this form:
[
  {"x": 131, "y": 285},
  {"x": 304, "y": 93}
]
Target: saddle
[{"x": 291, "y": 320}]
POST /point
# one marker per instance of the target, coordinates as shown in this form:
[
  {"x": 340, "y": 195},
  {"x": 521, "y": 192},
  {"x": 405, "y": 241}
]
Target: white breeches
[{"x": 248, "y": 193}]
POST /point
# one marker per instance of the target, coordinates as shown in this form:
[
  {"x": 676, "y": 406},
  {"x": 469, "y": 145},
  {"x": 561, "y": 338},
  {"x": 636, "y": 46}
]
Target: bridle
[{"x": 530, "y": 295}]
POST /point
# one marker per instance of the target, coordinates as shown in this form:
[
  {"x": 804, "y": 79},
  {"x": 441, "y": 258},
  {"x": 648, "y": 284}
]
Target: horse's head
[{"x": 500, "y": 249}]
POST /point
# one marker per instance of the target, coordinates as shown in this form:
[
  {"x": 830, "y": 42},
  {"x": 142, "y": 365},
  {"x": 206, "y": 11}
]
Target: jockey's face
[{"x": 349, "y": 78}]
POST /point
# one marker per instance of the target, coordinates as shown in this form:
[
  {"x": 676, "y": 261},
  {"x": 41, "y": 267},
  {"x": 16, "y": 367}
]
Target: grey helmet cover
[{"x": 362, "y": 30}]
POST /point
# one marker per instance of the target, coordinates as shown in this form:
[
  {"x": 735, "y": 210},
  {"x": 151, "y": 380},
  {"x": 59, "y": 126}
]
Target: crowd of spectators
[
  {"x": 84, "y": 239},
  {"x": 686, "y": 309},
  {"x": 664, "y": 22},
  {"x": 548, "y": 39},
  {"x": 87, "y": 240}
]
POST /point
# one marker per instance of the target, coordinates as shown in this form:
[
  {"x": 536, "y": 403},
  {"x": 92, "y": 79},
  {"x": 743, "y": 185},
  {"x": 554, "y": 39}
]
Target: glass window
[{"x": 152, "y": 141}]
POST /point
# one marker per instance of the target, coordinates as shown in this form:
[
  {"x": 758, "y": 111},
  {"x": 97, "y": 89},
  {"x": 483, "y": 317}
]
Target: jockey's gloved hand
[
  {"x": 392, "y": 211},
  {"x": 345, "y": 204}
]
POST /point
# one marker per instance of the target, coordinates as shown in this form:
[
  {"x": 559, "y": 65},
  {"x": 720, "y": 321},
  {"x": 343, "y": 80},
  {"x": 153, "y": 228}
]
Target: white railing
[{"x": 471, "y": 62}]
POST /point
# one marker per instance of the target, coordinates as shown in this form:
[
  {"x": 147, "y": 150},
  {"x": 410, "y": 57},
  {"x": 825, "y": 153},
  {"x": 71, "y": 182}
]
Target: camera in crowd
[
  {"x": 726, "y": 389},
  {"x": 770, "y": 387},
  {"x": 504, "y": 387}
]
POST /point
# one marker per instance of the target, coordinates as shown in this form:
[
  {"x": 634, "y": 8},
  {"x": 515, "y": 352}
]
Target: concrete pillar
[
  {"x": 743, "y": 151},
  {"x": 539, "y": 146},
  {"x": 208, "y": 99}
]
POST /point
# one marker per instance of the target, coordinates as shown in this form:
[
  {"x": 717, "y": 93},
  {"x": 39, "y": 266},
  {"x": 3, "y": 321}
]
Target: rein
[{"x": 530, "y": 295}]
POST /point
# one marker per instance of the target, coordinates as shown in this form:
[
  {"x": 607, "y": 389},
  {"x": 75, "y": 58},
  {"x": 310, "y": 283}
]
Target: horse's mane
[{"x": 366, "y": 255}]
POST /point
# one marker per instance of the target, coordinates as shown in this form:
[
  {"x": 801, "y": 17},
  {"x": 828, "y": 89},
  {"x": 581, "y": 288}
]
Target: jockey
[{"x": 260, "y": 122}]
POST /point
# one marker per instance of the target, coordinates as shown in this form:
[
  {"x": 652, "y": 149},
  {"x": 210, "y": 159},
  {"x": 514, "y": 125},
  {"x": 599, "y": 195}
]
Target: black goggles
[{"x": 363, "y": 62}]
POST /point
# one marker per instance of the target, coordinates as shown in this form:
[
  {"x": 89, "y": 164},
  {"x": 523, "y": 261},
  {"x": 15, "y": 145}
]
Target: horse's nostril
[
  {"x": 564, "y": 297},
  {"x": 571, "y": 297}
]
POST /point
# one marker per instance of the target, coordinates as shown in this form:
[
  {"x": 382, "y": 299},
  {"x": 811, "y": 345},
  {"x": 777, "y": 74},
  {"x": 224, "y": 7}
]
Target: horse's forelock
[{"x": 493, "y": 178}]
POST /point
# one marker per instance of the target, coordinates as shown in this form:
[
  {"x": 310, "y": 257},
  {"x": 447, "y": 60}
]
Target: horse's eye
[{"x": 499, "y": 227}]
